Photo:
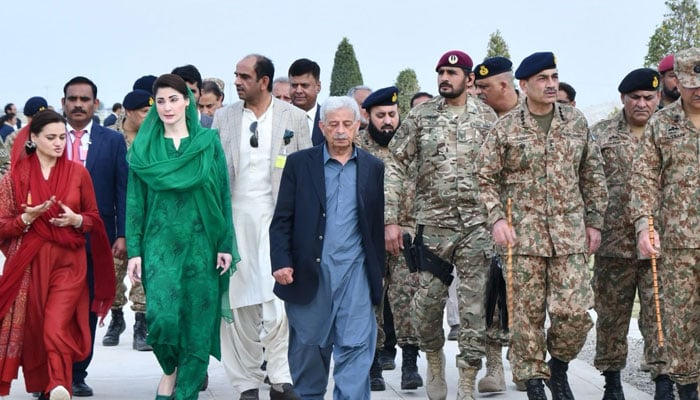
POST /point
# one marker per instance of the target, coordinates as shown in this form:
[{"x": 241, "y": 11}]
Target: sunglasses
[{"x": 254, "y": 137}]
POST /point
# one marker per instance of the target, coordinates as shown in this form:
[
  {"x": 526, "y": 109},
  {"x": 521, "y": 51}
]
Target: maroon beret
[
  {"x": 455, "y": 58},
  {"x": 666, "y": 64}
]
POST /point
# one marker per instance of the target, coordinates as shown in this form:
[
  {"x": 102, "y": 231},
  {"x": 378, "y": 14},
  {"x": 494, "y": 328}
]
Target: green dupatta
[{"x": 192, "y": 172}]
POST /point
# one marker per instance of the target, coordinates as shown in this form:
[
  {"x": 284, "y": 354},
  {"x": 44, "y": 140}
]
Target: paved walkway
[{"x": 120, "y": 373}]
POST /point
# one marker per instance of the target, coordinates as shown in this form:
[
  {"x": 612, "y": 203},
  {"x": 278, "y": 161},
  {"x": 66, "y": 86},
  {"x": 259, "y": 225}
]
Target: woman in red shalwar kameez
[{"x": 47, "y": 205}]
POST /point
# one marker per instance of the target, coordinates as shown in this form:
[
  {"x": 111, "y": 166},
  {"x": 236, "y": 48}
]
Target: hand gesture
[
  {"x": 34, "y": 212},
  {"x": 67, "y": 217}
]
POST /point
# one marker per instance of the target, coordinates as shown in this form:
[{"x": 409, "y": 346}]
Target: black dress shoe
[
  {"x": 287, "y": 393},
  {"x": 81, "y": 389}
]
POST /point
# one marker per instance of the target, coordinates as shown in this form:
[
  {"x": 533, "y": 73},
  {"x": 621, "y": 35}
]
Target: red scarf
[{"x": 26, "y": 178}]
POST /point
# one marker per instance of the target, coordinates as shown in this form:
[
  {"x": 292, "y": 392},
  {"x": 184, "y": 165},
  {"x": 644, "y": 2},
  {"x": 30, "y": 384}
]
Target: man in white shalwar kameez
[{"x": 257, "y": 134}]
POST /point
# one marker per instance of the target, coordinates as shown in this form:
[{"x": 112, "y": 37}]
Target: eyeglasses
[{"x": 254, "y": 137}]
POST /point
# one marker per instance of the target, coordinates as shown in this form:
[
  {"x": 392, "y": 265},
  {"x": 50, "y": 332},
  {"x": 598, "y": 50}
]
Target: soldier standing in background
[
  {"x": 383, "y": 120},
  {"x": 493, "y": 80},
  {"x": 136, "y": 103},
  {"x": 669, "y": 81},
  {"x": 619, "y": 274},
  {"x": 542, "y": 156},
  {"x": 665, "y": 182},
  {"x": 438, "y": 144}
]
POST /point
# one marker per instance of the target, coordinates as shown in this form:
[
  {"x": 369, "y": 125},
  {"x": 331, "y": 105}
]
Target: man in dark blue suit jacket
[
  {"x": 304, "y": 86},
  {"x": 327, "y": 251},
  {"x": 103, "y": 152}
]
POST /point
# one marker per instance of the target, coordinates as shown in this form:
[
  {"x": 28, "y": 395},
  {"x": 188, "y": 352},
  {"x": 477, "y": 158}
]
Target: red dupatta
[{"x": 27, "y": 185}]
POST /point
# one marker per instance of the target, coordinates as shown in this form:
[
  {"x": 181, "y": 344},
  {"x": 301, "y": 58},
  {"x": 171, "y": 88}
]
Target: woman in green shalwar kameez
[{"x": 180, "y": 237}]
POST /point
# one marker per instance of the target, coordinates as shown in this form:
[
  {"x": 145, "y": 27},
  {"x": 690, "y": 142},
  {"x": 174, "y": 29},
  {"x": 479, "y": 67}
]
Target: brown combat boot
[
  {"x": 494, "y": 380},
  {"x": 465, "y": 385},
  {"x": 436, "y": 387}
]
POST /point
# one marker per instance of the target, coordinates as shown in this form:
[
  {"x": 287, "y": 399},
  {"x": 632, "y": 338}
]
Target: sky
[{"x": 46, "y": 43}]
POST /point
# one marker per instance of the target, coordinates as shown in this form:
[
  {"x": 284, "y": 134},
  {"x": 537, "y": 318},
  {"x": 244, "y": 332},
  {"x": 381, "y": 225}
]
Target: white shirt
[
  {"x": 84, "y": 140},
  {"x": 310, "y": 118},
  {"x": 253, "y": 207}
]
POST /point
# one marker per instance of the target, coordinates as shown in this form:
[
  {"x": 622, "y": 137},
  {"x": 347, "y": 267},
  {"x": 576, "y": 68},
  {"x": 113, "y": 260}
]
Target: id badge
[{"x": 280, "y": 161}]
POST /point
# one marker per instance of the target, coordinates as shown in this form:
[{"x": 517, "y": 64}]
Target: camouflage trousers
[
  {"x": 470, "y": 251},
  {"x": 560, "y": 287},
  {"x": 680, "y": 273},
  {"x": 495, "y": 334},
  {"x": 136, "y": 294},
  {"x": 615, "y": 283},
  {"x": 400, "y": 286}
]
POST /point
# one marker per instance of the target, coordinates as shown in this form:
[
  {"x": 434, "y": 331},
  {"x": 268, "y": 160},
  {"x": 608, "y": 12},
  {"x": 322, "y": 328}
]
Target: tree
[
  {"x": 497, "y": 46},
  {"x": 346, "y": 70},
  {"x": 407, "y": 83},
  {"x": 679, "y": 30}
]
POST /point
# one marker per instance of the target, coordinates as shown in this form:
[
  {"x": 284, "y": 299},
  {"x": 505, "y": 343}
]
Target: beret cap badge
[
  {"x": 453, "y": 59},
  {"x": 483, "y": 71},
  {"x": 655, "y": 82},
  {"x": 394, "y": 97}
]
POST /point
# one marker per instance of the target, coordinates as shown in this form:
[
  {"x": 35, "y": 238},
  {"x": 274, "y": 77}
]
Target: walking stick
[
  {"x": 509, "y": 265},
  {"x": 655, "y": 279}
]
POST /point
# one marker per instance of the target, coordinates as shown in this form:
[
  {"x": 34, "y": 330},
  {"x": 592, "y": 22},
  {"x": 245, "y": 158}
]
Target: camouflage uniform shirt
[
  {"x": 439, "y": 149},
  {"x": 669, "y": 156},
  {"x": 555, "y": 179},
  {"x": 617, "y": 145},
  {"x": 4, "y": 158},
  {"x": 365, "y": 142}
]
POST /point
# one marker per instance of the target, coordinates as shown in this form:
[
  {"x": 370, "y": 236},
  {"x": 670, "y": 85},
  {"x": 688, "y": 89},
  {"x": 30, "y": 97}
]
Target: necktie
[{"x": 76, "y": 145}]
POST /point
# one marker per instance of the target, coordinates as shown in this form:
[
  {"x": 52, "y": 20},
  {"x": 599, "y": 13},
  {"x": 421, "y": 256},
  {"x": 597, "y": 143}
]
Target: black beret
[
  {"x": 387, "y": 96},
  {"x": 137, "y": 99},
  {"x": 492, "y": 66},
  {"x": 455, "y": 58},
  {"x": 639, "y": 79},
  {"x": 535, "y": 63},
  {"x": 34, "y": 105},
  {"x": 145, "y": 83}
]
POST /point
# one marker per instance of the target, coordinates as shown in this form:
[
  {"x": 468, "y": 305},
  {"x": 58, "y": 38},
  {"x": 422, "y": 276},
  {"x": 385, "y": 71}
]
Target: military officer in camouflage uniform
[
  {"x": 493, "y": 80},
  {"x": 4, "y": 159},
  {"x": 669, "y": 81},
  {"x": 619, "y": 274},
  {"x": 542, "y": 156},
  {"x": 437, "y": 144},
  {"x": 383, "y": 120},
  {"x": 666, "y": 183},
  {"x": 136, "y": 105}
]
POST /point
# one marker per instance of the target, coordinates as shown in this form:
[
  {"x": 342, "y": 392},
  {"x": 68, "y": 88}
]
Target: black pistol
[{"x": 409, "y": 252}]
